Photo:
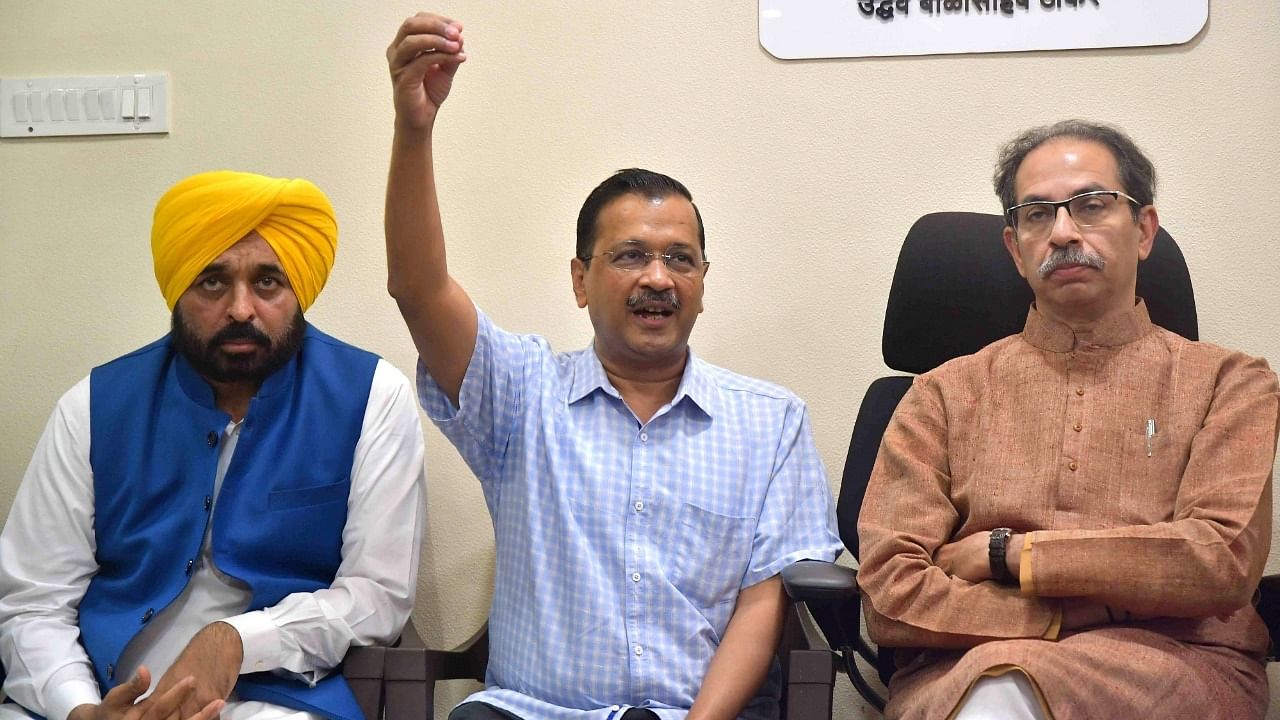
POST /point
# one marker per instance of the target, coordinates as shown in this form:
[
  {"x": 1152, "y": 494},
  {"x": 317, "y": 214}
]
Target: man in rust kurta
[{"x": 1084, "y": 508}]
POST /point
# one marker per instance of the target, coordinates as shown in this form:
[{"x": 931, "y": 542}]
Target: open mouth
[{"x": 654, "y": 312}]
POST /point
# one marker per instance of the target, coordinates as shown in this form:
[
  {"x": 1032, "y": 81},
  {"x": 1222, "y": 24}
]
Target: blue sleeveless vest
[{"x": 282, "y": 507}]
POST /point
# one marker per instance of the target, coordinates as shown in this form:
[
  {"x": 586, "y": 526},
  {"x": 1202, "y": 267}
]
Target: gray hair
[{"x": 1137, "y": 174}]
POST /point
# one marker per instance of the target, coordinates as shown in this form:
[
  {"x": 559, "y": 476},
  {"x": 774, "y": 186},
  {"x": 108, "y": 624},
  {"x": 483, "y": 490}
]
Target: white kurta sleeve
[
  {"x": 372, "y": 595},
  {"x": 46, "y": 562}
]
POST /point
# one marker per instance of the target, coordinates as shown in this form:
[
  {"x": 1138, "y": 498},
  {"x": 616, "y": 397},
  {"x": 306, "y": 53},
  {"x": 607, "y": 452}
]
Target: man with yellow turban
[{"x": 218, "y": 516}]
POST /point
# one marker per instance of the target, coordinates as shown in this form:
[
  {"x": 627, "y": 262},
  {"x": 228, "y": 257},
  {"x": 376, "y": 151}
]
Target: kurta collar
[
  {"x": 695, "y": 385},
  {"x": 1113, "y": 331}
]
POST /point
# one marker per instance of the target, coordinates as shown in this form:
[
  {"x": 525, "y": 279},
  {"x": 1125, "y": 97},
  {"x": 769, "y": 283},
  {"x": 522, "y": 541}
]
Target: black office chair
[
  {"x": 411, "y": 671},
  {"x": 956, "y": 290}
]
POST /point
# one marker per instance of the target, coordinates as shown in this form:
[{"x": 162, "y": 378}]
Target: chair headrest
[{"x": 956, "y": 290}]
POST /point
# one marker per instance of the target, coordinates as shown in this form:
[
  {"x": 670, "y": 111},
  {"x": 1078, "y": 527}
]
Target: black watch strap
[{"x": 996, "y": 549}]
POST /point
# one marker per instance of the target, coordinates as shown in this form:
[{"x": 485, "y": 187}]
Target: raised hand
[{"x": 423, "y": 58}]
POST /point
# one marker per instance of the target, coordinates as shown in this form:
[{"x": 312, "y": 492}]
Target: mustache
[
  {"x": 239, "y": 331},
  {"x": 666, "y": 297},
  {"x": 1070, "y": 255}
]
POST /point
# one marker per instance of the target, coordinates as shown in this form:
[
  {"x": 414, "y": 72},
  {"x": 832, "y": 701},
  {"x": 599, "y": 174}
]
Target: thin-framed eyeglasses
[
  {"x": 1034, "y": 220},
  {"x": 632, "y": 259}
]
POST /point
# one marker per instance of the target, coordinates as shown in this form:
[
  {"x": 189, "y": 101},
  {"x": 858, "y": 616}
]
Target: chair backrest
[{"x": 955, "y": 290}]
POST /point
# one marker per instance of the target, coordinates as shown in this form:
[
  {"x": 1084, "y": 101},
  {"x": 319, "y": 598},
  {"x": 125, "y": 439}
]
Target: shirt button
[
  {"x": 1077, "y": 427},
  {"x": 644, "y": 437},
  {"x": 639, "y": 506},
  {"x": 639, "y": 650},
  {"x": 146, "y": 616},
  {"x": 211, "y": 439},
  {"x": 1072, "y": 465},
  {"x": 635, "y": 577},
  {"x": 615, "y": 708},
  {"x": 1080, "y": 391}
]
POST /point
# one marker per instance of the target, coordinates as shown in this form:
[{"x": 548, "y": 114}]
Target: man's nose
[
  {"x": 240, "y": 307},
  {"x": 656, "y": 274},
  {"x": 1065, "y": 231}
]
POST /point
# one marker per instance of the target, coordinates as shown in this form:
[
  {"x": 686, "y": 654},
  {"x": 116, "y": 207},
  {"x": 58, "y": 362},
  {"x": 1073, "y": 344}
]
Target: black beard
[{"x": 211, "y": 363}]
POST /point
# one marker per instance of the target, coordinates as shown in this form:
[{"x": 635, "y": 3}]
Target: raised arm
[{"x": 423, "y": 58}]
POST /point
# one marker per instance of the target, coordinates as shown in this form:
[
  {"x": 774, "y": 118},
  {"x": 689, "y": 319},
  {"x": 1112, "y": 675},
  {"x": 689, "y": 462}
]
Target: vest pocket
[{"x": 308, "y": 496}]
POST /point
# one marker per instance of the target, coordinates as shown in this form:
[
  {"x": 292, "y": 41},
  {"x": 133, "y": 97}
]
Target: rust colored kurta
[{"x": 1046, "y": 433}]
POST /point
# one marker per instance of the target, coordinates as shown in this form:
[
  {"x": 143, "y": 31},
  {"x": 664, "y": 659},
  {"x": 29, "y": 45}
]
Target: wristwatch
[{"x": 996, "y": 552}]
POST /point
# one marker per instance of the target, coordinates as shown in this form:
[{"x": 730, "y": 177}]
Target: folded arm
[{"x": 1208, "y": 558}]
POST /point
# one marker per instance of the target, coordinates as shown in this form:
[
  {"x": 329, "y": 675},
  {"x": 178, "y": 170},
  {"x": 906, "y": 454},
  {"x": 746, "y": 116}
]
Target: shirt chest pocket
[{"x": 711, "y": 554}]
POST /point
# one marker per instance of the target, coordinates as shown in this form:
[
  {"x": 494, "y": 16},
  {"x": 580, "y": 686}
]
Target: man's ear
[
  {"x": 578, "y": 271},
  {"x": 1148, "y": 225},
  {"x": 1011, "y": 244}
]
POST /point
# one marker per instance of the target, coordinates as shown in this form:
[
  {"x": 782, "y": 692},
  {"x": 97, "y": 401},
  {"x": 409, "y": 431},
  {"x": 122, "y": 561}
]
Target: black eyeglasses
[
  {"x": 678, "y": 260},
  {"x": 1034, "y": 220}
]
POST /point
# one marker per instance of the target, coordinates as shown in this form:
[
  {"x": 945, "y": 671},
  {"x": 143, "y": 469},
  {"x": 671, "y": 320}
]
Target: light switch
[
  {"x": 133, "y": 104},
  {"x": 107, "y": 103},
  {"x": 35, "y": 103},
  {"x": 57, "y": 105},
  {"x": 144, "y": 103},
  {"x": 74, "y": 98},
  {"x": 20, "y": 113}
]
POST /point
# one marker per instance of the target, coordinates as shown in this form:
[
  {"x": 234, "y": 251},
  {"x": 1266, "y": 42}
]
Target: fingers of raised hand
[{"x": 421, "y": 34}]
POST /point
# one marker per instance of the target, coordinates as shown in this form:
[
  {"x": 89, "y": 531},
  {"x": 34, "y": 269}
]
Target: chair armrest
[
  {"x": 413, "y": 670},
  {"x": 819, "y": 581},
  {"x": 363, "y": 668},
  {"x": 830, "y": 592},
  {"x": 1269, "y": 608}
]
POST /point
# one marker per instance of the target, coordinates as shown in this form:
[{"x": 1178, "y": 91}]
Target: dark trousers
[{"x": 485, "y": 711}]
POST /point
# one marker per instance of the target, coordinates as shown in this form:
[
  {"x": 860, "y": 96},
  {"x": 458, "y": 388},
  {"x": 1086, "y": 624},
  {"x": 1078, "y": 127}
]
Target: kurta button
[
  {"x": 1072, "y": 465},
  {"x": 190, "y": 564},
  {"x": 1077, "y": 427},
  {"x": 146, "y": 616},
  {"x": 1079, "y": 391},
  {"x": 211, "y": 439},
  {"x": 208, "y": 502}
]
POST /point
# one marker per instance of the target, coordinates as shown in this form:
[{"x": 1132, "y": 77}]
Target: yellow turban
[{"x": 201, "y": 217}]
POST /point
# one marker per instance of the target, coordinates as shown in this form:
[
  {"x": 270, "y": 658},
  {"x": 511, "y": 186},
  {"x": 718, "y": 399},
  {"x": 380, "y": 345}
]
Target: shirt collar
[
  {"x": 1120, "y": 329},
  {"x": 695, "y": 384}
]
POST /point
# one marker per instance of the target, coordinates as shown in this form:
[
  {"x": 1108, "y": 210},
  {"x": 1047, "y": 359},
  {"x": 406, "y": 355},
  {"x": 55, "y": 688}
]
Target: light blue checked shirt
[{"x": 622, "y": 546}]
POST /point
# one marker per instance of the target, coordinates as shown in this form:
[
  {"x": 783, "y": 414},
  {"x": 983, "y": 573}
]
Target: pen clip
[{"x": 1151, "y": 432}]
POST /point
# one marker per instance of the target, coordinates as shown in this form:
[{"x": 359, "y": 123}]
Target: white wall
[{"x": 808, "y": 174}]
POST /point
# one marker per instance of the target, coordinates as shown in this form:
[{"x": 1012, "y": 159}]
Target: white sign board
[{"x": 792, "y": 29}]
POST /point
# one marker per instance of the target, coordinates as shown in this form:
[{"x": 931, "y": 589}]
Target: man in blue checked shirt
[{"x": 643, "y": 501}]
